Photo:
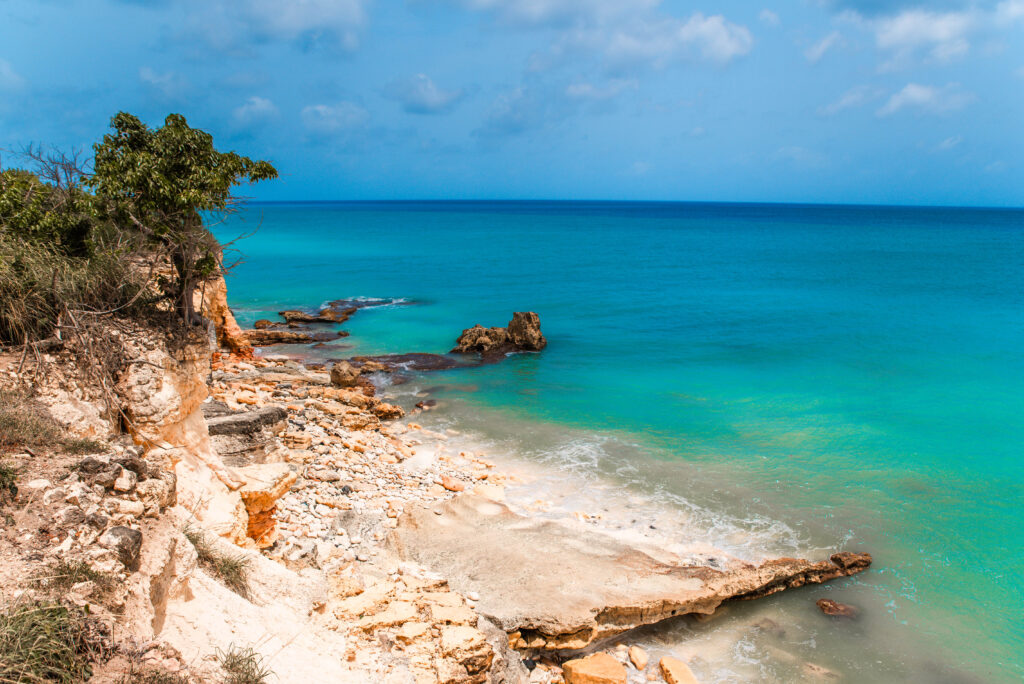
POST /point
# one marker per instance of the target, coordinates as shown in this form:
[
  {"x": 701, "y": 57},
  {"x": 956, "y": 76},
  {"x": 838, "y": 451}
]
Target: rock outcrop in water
[
  {"x": 522, "y": 334},
  {"x": 551, "y": 587}
]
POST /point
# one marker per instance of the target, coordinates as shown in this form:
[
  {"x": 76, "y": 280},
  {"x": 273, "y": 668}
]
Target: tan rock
[
  {"x": 297, "y": 440},
  {"x": 451, "y": 484},
  {"x": 468, "y": 647},
  {"x": 564, "y": 587},
  {"x": 396, "y": 613},
  {"x": 638, "y": 657},
  {"x": 599, "y": 668},
  {"x": 344, "y": 374},
  {"x": 675, "y": 671},
  {"x": 212, "y": 302},
  {"x": 411, "y": 631},
  {"x": 452, "y": 615},
  {"x": 265, "y": 483}
]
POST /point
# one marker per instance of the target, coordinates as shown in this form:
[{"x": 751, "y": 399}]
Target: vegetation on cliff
[{"x": 76, "y": 235}]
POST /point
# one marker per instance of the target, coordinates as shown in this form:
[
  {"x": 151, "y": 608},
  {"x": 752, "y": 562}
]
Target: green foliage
[
  {"x": 243, "y": 666},
  {"x": 44, "y": 642},
  {"x": 231, "y": 569},
  {"x": 60, "y": 218},
  {"x": 161, "y": 181}
]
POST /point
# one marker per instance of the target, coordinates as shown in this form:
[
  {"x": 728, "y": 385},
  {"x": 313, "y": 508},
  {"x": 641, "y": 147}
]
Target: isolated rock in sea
[
  {"x": 599, "y": 668},
  {"x": 837, "y": 609},
  {"x": 524, "y": 331},
  {"x": 344, "y": 374},
  {"x": 521, "y": 334},
  {"x": 481, "y": 339},
  {"x": 563, "y": 588}
]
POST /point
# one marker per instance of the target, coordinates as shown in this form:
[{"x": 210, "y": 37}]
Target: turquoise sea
[{"x": 789, "y": 379}]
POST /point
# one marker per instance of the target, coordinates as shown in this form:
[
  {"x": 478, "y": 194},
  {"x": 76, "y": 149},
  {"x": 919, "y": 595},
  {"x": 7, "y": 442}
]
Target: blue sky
[{"x": 787, "y": 100}]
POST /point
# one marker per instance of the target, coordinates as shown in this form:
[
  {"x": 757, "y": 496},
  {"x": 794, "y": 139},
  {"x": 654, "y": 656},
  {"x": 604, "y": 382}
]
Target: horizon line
[{"x": 638, "y": 201}]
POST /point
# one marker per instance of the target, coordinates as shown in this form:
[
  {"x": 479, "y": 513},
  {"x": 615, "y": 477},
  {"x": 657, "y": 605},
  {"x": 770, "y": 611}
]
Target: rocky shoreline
[{"x": 375, "y": 553}]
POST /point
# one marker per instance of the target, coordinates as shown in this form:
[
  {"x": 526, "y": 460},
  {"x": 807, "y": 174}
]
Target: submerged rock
[
  {"x": 522, "y": 334},
  {"x": 837, "y": 609},
  {"x": 563, "y": 588}
]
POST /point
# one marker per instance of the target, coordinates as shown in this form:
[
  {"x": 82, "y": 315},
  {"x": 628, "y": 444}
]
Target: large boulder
[
  {"x": 521, "y": 334},
  {"x": 524, "y": 331},
  {"x": 344, "y": 374},
  {"x": 482, "y": 340}
]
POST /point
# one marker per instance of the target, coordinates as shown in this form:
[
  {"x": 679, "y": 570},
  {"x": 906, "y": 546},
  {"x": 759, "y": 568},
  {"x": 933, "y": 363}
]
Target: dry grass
[
  {"x": 231, "y": 569},
  {"x": 58, "y": 578},
  {"x": 46, "y": 642},
  {"x": 25, "y": 423},
  {"x": 243, "y": 666}
]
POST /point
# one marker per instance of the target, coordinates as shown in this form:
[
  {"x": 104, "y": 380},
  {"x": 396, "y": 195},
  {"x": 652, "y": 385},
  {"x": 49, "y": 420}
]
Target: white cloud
[
  {"x": 851, "y": 98},
  {"x": 9, "y": 78},
  {"x": 1009, "y": 11},
  {"x": 942, "y": 34},
  {"x": 254, "y": 111},
  {"x": 419, "y": 95},
  {"x": 657, "y": 42},
  {"x": 589, "y": 91},
  {"x": 330, "y": 119},
  {"x": 623, "y": 32},
  {"x": 768, "y": 17},
  {"x": 818, "y": 50},
  {"x": 929, "y": 99},
  {"x": 169, "y": 84},
  {"x": 949, "y": 143},
  {"x": 339, "y": 21}
]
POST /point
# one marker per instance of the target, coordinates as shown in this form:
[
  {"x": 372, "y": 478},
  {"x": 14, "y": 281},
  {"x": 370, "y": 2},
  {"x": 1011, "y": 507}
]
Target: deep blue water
[{"x": 856, "y": 373}]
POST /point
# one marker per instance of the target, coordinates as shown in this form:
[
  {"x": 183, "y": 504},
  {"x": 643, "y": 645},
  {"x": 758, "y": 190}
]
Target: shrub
[
  {"x": 45, "y": 642},
  {"x": 243, "y": 666},
  {"x": 231, "y": 569}
]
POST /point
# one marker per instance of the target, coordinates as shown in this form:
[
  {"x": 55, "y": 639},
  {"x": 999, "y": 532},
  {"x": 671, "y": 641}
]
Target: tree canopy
[{"x": 161, "y": 181}]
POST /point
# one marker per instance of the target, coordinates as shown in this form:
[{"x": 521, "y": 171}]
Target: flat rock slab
[{"x": 562, "y": 588}]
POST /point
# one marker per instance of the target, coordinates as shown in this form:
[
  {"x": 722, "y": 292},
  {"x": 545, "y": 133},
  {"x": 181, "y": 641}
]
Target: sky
[{"x": 846, "y": 101}]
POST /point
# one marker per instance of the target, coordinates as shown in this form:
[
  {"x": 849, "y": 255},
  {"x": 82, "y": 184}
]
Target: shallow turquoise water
[{"x": 854, "y": 373}]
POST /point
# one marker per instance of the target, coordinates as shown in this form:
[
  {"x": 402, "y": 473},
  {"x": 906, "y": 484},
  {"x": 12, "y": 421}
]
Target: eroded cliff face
[
  {"x": 212, "y": 301},
  {"x": 162, "y": 390}
]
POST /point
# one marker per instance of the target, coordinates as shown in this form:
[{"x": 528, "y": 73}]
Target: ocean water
[{"x": 768, "y": 379}]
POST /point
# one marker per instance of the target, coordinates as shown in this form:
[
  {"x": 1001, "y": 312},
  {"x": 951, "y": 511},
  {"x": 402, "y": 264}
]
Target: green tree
[{"x": 161, "y": 182}]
